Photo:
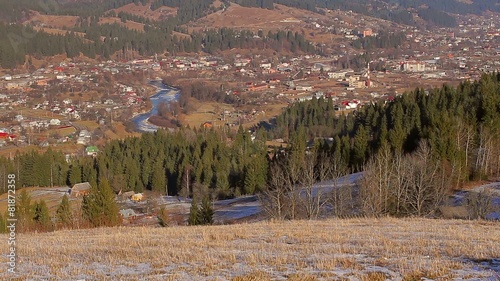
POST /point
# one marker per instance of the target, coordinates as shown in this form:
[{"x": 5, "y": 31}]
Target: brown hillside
[
  {"x": 145, "y": 11},
  {"x": 239, "y": 17},
  {"x": 129, "y": 24},
  {"x": 54, "y": 21},
  {"x": 281, "y": 18},
  {"x": 57, "y": 31}
]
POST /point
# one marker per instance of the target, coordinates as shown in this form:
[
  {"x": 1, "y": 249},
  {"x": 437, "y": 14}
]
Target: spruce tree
[
  {"x": 64, "y": 215},
  {"x": 158, "y": 180},
  {"x": 206, "y": 212},
  {"x": 75, "y": 175},
  {"x": 99, "y": 206},
  {"x": 24, "y": 211},
  {"x": 194, "y": 214},
  {"x": 42, "y": 216}
]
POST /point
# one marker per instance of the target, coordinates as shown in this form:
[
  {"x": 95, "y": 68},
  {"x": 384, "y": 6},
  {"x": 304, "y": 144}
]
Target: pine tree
[
  {"x": 158, "y": 180},
  {"x": 194, "y": 214},
  {"x": 75, "y": 175},
  {"x": 24, "y": 211},
  {"x": 206, "y": 212},
  {"x": 99, "y": 206},
  {"x": 360, "y": 146},
  {"x": 64, "y": 215},
  {"x": 42, "y": 216}
]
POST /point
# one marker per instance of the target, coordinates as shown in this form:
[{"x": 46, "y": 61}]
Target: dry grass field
[
  {"x": 280, "y": 18},
  {"x": 119, "y": 132},
  {"x": 55, "y": 21},
  {"x": 238, "y": 17},
  {"x": 351, "y": 249},
  {"x": 56, "y": 31},
  {"x": 210, "y": 112},
  {"x": 145, "y": 11},
  {"x": 132, "y": 25},
  {"x": 63, "y": 147}
]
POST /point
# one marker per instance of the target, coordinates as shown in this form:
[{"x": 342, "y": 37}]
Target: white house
[{"x": 55, "y": 122}]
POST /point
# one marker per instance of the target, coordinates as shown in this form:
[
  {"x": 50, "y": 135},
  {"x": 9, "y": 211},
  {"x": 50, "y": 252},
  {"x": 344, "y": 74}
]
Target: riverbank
[{"x": 165, "y": 94}]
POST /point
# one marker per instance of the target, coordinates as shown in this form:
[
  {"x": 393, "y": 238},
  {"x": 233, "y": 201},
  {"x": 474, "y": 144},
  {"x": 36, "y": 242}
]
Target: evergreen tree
[
  {"x": 206, "y": 212},
  {"x": 158, "y": 180},
  {"x": 24, "y": 211},
  {"x": 194, "y": 214},
  {"x": 64, "y": 215},
  {"x": 42, "y": 216},
  {"x": 75, "y": 175},
  {"x": 99, "y": 206}
]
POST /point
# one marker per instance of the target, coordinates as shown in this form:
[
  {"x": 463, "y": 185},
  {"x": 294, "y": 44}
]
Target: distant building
[
  {"x": 91, "y": 150},
  {"x": 80, "y": 189},
  {"x": 367, "y": 32},
  {"x": 307, "y": 88},
  {"x": 137, "y": 197},
  {"x": 208, "y": 125},
  {"x": 413, "y": 66}
]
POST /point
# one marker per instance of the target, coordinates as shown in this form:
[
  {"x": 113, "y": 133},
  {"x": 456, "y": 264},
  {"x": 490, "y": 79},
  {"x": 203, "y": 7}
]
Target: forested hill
[
  {"x": 433, "y": 12},
  {"x": 396, "y": 10},
  {"x": 459, "y": 125},
  {"x": 17, "y": 41}
]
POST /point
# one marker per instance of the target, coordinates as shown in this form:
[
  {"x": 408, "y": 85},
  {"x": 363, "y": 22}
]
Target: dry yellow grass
[
  {"x": 129, "y": 24},
  {"x": 56, "y": 21},
  {"x": 145, "y": 11},
  {"x": 57, "y": 31},
  {"x": 89, "y": 125},
  {"x": 354, "y": 249}
]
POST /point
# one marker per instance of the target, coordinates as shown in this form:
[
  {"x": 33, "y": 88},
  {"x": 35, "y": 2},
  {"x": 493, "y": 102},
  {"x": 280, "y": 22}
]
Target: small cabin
[{"x": 80, "y": 189}]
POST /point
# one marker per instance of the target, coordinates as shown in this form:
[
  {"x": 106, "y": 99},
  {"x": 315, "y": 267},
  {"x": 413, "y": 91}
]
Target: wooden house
[{"x": 80, "y": 189}]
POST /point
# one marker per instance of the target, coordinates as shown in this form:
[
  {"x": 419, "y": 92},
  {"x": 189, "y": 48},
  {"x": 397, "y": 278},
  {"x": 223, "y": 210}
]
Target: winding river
[{"x": 165, "y": 94}]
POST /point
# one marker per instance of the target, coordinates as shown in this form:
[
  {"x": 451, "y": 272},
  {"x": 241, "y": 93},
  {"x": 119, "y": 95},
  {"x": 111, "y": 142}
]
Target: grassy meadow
[{"x": 334, "y": 249}]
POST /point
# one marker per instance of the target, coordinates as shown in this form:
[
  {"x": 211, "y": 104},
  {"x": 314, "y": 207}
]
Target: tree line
[
  {"x": 104, "y": 40},
  {"x": 162, "y": 162},
  {"x": 412, "y": 151},
  {"x": 457, "y": 123},
  {"x": 383, "y": 40}
]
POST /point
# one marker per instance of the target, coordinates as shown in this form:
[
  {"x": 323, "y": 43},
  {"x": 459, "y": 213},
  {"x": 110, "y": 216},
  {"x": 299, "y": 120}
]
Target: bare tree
[
  {"x": 400, "y": 170},
  {"x": 310, "y": 197},
  {"x": 324, "y": 166},
  {"x": 274, "y": 199},
  {"x": 426, "y": 189},
  {"x": 395, "y": 184},
  {"x": 375, "y": 184},
  {"x": 342, "y": 197},
  {"x": 479, "y": 204}
]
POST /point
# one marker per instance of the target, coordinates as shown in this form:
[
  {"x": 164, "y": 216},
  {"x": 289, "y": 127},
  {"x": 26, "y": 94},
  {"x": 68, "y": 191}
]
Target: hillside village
[
  {"x": 74, "y": 90},
  {"x": 250, "y": 139}
]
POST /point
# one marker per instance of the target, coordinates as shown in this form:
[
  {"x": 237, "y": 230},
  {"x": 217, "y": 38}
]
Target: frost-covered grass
[{"x": 351, "y": 249}]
